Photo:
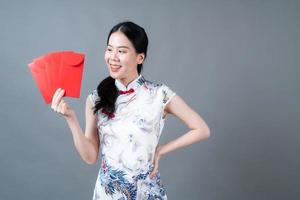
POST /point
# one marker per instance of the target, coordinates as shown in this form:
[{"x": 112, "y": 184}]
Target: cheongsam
[{"x": 128, "y": 140}]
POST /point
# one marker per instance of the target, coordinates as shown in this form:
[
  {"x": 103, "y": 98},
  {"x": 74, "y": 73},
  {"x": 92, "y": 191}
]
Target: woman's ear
[{"x": 140, "y": 58}]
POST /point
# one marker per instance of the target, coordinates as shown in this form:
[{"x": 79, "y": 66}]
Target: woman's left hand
[{"x": 157, "y": 157}]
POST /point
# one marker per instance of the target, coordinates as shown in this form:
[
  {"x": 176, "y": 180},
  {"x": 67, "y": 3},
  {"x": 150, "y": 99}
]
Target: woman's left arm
[{"x": 199, "y": 130}]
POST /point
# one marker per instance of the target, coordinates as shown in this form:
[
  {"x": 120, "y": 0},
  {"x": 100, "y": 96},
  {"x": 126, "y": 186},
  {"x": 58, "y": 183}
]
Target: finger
[
  {"x": 59, "y": 97},
  {"x": 155, "y": 169},
  {"x": 153, "y": 174},
  {"x": 64, "y": 108},
  {"x": 59, "y": 106},
  {"x": 54, "y": 98}
]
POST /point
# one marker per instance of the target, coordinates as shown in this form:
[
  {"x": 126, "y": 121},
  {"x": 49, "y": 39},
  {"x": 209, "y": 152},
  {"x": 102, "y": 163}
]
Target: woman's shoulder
[
  {"x": 162, "y": 89},
  {"x": 152, "y": 84},
  {"x": 157, "y": 85},
  {"x": 164, "y": 92}
]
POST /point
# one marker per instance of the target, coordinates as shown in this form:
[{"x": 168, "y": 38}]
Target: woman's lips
[{"x": 115, "y": 68}]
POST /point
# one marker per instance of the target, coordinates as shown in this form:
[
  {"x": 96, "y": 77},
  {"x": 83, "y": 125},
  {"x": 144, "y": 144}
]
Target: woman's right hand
[{"x": 59, "y": 105}]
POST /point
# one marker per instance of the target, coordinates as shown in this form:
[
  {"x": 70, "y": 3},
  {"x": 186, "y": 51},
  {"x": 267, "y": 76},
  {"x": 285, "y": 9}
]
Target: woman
[{"x": 125, "y": 117}]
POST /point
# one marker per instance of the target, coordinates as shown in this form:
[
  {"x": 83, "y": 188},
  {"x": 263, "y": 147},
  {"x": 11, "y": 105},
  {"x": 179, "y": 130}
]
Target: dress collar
[{"x": 137, "y": 82}]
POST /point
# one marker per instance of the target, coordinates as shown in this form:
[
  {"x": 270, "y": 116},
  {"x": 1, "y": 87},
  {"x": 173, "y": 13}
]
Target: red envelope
[
  {"x": 71, "y": 72},
  {"x": 50, "y": 73},
  {"x": 39, "y": 76},
  {"x": 41, "y": 65},
  {"x": 58, "y": 70},
  {"x": 53, "y": 69}
]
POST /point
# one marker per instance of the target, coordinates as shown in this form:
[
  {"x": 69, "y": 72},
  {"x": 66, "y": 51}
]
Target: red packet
[
  {"x": 39, "y": 76},
  {"x": 41, "y": 64},
  {"x": 53, "y": 70},
  {"x": 58, "y": 70},
  {"x": 71, "y": 73},
  {"x": 50, "y": 73}
]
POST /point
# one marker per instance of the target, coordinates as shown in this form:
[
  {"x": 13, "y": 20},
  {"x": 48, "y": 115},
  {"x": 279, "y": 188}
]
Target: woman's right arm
[{"x": 87, "y": 144}]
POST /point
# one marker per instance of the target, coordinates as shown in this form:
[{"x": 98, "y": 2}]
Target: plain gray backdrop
[{"x": 234, "y": 62}]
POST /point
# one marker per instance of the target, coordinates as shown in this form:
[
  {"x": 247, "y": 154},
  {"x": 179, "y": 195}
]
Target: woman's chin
[{"x": 114, "y": 74}]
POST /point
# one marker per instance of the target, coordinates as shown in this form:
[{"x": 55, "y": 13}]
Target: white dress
[{"x": 128, "y": 140}]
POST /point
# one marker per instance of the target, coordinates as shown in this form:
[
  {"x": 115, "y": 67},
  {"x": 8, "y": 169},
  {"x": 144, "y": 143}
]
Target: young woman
[{"x": 125, "y": 116}]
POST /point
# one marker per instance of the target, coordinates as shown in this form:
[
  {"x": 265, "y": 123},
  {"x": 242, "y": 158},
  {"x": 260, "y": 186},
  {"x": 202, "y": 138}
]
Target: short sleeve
[
  {"x": 94, "y": 97},
  {"x": 167, "y": 95}
]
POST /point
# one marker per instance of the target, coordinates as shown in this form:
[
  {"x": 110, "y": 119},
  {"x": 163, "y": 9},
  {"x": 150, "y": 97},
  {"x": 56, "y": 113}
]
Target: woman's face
[{"x": 121, "y": 57}]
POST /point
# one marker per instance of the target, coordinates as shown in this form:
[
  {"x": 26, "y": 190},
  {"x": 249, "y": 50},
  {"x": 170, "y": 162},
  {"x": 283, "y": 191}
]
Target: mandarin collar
[{"x": 137, "y": 82}]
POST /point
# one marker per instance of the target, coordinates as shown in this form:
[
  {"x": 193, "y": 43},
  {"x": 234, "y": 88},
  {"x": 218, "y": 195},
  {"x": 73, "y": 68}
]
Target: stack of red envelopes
[{"x": 58, "y": 70}]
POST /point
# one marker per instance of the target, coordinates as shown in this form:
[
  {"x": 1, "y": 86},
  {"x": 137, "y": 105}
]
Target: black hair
[{"x": 107, "y": 90}]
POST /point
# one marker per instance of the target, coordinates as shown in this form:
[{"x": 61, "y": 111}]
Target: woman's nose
[{"x": 114, "y": 55}]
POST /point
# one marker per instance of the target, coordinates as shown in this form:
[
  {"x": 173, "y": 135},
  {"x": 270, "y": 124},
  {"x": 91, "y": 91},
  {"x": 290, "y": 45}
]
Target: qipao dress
[{"x": 128, "y": 140}]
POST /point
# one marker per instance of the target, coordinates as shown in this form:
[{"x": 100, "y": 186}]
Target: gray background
[{"x": 235, "y": 62}]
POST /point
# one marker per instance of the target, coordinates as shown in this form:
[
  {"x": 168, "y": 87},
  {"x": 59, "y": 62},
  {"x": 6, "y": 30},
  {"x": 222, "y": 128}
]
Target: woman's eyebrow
[{"x": 119, "y": 46}]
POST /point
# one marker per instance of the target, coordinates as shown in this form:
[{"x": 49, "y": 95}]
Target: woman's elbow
[
  {"x": 207, "y": 132},
  {"x": 203, "y": 129},
  {"x": 91, "y": 160},
  {"x": 204, "y": 133}
]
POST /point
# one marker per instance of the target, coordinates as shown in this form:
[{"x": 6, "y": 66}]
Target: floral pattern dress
[{"x": 128, "y": 140}]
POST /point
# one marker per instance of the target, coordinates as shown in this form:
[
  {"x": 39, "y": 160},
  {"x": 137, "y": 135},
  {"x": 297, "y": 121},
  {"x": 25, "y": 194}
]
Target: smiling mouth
[{"x": 114, "y": 68}]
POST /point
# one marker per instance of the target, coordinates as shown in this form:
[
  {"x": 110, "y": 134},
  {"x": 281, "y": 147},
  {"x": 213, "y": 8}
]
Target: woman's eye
[
  {"x": 120, "y": 51},
  {"x": 109, "y": 49}
]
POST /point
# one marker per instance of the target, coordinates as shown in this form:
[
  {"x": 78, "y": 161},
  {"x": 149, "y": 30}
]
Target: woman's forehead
[{"x": 119, "y": 40}]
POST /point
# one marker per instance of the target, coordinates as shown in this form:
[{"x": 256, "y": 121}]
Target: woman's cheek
[
  {"x": 130, "y": 62},
  {"x": 106, "y": 56}
]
